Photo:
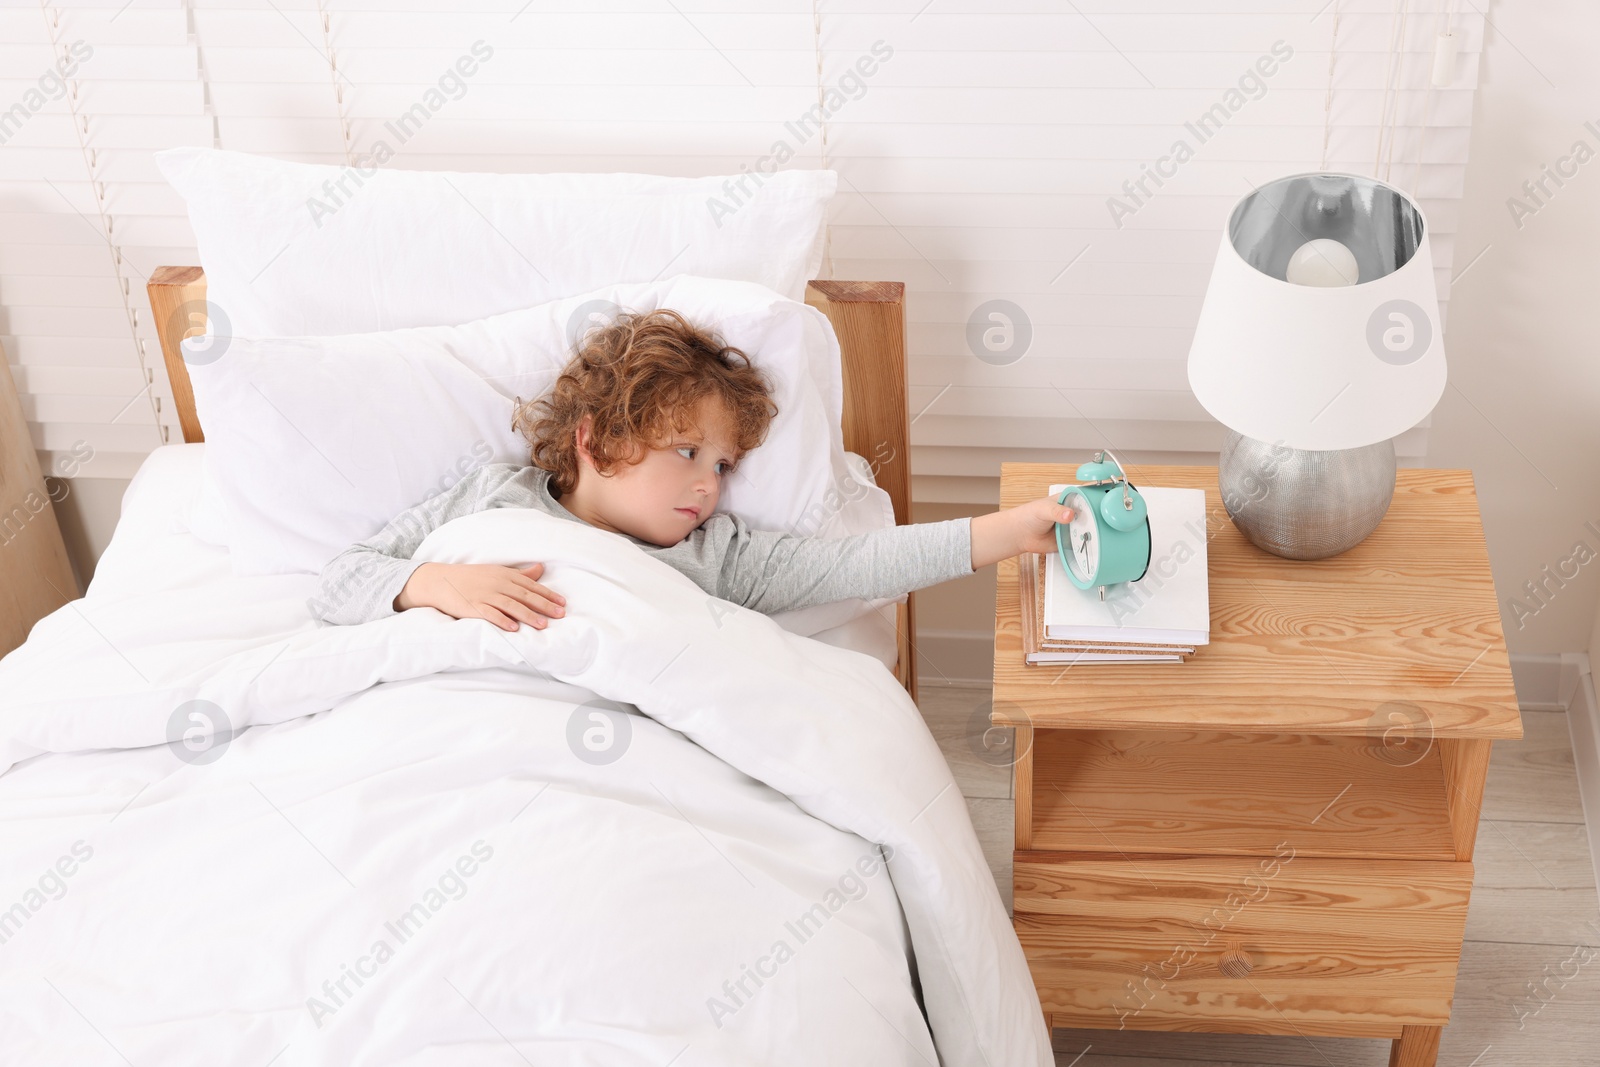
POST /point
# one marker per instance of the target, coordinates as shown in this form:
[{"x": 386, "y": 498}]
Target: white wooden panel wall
[{"x": 976, "y": 163}]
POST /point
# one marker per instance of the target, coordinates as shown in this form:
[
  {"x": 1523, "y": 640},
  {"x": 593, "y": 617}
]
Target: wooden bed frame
[{"x": 868, "y": 317}]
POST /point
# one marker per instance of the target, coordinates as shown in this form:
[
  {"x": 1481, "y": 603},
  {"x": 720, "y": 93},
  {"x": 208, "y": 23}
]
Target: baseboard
[
  {"x": 1583, "y": 723},
  {"x": 960, "y": 659},
  {"x": 1544, "y": 682}
]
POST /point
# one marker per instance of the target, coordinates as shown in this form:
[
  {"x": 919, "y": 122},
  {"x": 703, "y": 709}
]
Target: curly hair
[{"x": 641, "y": 378}]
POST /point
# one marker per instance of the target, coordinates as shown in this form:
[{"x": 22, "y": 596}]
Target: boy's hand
[
  {"x": 1036, "y": 522},
  {"x": 504, "y": 596},
  {"x": 1029, "y": 527}
]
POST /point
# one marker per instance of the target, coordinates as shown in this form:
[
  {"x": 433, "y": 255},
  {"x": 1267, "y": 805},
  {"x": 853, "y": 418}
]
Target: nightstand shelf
[
  {"x": 1219, "y": 793},
  {"x": 1275, "y": 836}
]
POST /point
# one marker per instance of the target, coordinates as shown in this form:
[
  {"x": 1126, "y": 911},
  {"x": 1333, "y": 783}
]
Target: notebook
[{"x": 1038, "y": 649}]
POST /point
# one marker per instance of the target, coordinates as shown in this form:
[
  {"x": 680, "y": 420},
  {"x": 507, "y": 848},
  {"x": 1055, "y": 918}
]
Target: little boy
[{"x": 637, "y": 436}]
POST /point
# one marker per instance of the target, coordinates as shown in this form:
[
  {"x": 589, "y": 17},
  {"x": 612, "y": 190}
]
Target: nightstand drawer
[{"x": 1286, "y": 944}]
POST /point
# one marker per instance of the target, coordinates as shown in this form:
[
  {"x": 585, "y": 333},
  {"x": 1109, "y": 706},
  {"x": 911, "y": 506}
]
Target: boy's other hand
[{"x": 504, "y": 596}]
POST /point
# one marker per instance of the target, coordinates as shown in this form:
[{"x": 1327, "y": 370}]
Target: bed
[{"x": 235, "y": 837}]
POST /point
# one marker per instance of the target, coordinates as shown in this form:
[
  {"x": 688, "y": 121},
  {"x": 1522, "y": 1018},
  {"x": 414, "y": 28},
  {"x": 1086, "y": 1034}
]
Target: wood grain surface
[
  {"x": 1401, "y": 633},
  {"x": 177, "y": 306},
  {"x": 1334, "y": 946},
  {"x": 1207, "y": 792}
]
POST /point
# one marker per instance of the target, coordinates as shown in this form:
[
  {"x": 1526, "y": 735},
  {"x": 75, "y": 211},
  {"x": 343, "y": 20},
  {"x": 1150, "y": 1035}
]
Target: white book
[{"x": 1169, "y": 605}]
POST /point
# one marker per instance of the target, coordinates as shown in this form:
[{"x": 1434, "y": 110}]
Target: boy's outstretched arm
[
  {"x": 1029, "y": 527},
  {"x": 772, "y": 571}
]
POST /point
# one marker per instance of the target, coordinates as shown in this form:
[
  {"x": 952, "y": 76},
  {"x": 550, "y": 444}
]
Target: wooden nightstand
[{"x": 1276, "y": 836}]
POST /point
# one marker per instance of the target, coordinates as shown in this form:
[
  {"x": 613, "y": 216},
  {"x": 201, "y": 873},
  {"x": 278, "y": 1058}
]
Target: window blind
[{"x": 1074, "y": 161}]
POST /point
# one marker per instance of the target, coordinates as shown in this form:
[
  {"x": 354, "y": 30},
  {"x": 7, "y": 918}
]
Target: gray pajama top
[{"x": 764, "y": 570}]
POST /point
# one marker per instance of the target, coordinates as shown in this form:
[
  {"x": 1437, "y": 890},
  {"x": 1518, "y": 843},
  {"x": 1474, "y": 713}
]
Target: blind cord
[
  {"x": 1389, "y": 111},
  {"x": 816, "y": 46},
  {"x": 1399, "y": 79},
  {"x": 97, "y": 189},
  {"x": 333, "y": 78},
  {"x": 1327, "y": 101},
  {"x": 1447, "y": 15}
]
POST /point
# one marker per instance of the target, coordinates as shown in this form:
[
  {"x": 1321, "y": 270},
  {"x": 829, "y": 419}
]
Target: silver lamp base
[{"x": 1302, "y": 504}]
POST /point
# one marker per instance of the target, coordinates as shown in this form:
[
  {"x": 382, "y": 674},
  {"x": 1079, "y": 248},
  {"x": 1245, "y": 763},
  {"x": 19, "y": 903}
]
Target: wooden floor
[{"x": 1529, "y": 988}]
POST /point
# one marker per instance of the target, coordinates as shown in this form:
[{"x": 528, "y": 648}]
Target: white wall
[{"x": 1523, "y": 406}]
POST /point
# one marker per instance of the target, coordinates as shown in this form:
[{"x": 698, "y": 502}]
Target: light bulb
[{"x": 1324, "y": 262}]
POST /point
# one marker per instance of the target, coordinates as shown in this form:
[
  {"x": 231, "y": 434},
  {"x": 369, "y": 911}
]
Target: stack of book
[{"x": 1161, "y": 618}]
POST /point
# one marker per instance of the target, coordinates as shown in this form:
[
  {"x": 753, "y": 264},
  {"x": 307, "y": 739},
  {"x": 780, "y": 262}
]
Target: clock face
[{"x": 1082, "y": 538}]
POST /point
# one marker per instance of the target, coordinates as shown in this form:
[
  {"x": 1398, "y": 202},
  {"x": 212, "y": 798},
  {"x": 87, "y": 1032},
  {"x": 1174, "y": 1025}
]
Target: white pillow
[
  {"x": 286, "y": 253},
  {"x": 314, "y": 443}
]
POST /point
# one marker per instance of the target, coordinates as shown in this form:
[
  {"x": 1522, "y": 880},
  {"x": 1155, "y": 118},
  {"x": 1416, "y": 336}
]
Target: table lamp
[{"x": 1317, "y": 344}]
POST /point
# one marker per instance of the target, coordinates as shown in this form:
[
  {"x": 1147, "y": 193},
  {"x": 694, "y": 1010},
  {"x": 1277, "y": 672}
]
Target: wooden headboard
[{"x": 868, "y": 317}]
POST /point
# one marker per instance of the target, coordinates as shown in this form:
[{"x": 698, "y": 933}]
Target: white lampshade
[{"x": 1321, "y": 365}]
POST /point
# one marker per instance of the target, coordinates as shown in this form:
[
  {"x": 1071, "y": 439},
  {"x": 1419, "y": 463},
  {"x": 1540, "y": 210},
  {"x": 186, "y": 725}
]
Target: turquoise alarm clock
[{"x": 1107, "y": 540}]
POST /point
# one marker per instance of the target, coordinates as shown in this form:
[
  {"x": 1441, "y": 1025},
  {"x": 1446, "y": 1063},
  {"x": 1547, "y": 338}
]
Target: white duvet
[{"x": 648, "y": 834}]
